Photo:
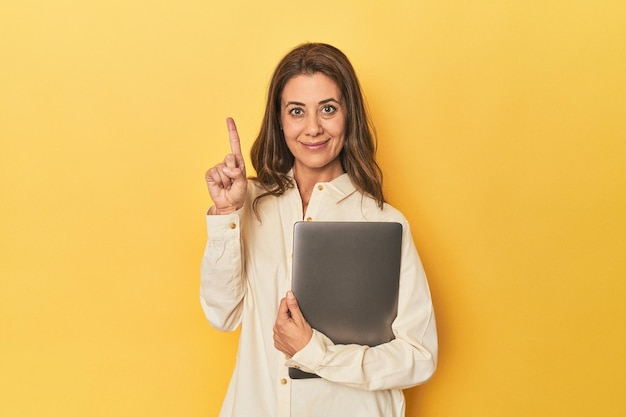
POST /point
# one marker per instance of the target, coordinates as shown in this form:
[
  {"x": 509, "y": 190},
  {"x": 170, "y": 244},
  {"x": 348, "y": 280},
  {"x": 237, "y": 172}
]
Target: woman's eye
[
  {"x": 329, "y": 109},
  {"x": 296, "y": 111}
]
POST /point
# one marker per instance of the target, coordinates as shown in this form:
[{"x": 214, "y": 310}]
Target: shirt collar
[{"x": 341, "y": 186}]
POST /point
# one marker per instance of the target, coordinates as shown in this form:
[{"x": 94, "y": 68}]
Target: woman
[{"x": 314, "y": 158}]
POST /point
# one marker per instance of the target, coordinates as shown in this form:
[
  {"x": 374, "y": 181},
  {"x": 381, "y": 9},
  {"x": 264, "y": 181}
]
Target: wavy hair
[{"x": 270, "y": 155}]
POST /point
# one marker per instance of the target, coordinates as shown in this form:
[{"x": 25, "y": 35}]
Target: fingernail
[{"x": 290, "y": 294}]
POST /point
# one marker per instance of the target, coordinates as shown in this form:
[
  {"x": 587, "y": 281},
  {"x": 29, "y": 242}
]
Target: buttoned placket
[
  {"x": 315, "y": 202},
  {"x": 283, "y": 382},
  {"x": 283, "y": 390}
]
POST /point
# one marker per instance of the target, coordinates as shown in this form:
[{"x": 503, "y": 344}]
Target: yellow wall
[{"x": 502, "y": 136}]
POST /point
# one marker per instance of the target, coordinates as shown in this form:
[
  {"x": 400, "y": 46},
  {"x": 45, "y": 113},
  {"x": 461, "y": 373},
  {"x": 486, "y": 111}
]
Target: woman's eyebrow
[{"x": 297, "y": 103}]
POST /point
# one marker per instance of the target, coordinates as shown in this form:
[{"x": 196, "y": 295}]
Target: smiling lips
[{"x": 316, "y": 145}]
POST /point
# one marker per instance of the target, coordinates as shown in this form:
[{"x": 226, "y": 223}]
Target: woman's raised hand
[{"x": 227, "y": 180}]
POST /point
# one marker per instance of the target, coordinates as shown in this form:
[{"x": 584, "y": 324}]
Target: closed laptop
[{"x": 346, "y": 280}]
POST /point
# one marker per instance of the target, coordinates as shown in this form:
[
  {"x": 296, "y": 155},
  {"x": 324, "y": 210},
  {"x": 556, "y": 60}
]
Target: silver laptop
[{"x": 346, "y": 280}]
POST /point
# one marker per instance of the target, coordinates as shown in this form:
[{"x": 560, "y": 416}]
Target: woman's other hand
[
  {"x": 227, "y": 180},
  {"x": 291, "y": 331}
]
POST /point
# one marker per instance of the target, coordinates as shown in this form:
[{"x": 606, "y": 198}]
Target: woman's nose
[{"x": 314, "y": 125}]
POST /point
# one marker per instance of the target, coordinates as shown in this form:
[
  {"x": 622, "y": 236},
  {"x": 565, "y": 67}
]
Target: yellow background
[{"x": 503, "y": 140}]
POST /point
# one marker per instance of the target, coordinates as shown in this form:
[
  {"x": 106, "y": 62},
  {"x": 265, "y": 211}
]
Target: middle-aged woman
[{"x": 314, "y": 160}]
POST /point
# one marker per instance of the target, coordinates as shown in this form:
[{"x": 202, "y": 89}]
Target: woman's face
[{"x": 313, "y": 120}]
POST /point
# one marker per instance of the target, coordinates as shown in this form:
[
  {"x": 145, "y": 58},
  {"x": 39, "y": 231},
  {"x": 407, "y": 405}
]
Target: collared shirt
[{"x": 246, "y": 270}]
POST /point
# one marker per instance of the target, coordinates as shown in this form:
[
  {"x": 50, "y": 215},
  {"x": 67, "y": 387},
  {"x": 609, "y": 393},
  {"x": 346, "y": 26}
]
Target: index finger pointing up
[{"x": 233, "y": 136}]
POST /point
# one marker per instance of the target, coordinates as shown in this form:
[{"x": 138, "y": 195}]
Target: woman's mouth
[{"x": 313, "y": 146}]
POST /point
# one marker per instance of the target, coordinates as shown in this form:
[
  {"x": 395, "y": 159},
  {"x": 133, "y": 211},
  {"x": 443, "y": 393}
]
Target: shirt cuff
[
  {"x": 309, "y": 359},
  {"x": 224, "y": 226}
]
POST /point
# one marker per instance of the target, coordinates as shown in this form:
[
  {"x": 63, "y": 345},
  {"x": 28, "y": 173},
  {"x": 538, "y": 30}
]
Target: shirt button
[
  {"x": 309, "y": 219},
  {"x": 320, "y": 187},
  {"x": 283, "y": 381},
  {"x": 232, "y": 225}
]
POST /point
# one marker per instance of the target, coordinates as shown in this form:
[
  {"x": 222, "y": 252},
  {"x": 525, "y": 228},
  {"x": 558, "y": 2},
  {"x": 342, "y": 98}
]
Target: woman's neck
[{"x": 310, "y": 176}]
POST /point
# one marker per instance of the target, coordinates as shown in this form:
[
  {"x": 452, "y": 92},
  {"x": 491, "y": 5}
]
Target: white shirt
[{"x": 246, "y": 270}]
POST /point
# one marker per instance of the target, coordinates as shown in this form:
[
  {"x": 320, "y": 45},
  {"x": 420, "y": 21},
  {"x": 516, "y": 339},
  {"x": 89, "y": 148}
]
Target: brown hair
[{"x": 269, "y": 154}]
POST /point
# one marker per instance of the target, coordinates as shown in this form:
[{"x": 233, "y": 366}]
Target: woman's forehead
[{"x": 311, "y": 88}]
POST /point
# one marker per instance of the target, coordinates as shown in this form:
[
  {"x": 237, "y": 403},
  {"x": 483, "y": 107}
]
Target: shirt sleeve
[
  {"x": 408, "y": 360},
  {"x": 222, "y": 285}
]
